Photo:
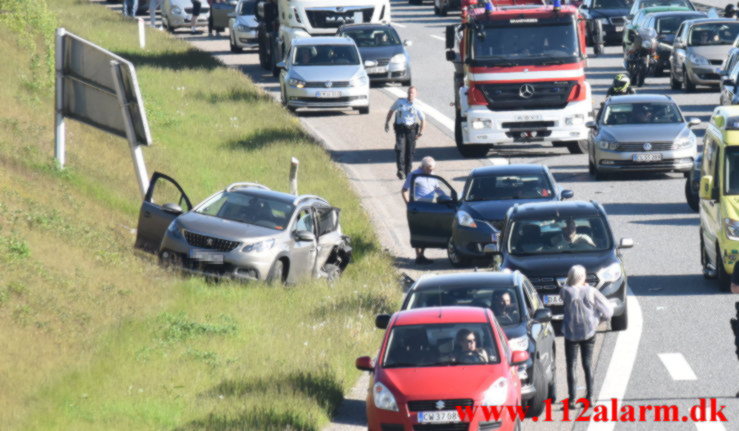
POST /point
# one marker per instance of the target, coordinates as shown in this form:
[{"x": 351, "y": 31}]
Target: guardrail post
[
  {"x": 142, "y": 33},
  {"x": 294, "y": 163}
]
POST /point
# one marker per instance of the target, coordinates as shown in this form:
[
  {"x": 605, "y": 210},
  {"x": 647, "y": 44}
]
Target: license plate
[
  {"x": 444, "y": 416},
  {"x": 328, "y": 94},
  {"x": 374, "y": 70},
  {"x": 528, "y": 117},
  {"x": 206, "y": 256},
  {"x": 619, "y": 28},
  {"x": 553, "y": 300},
  {"x": 647, "y": 157}
]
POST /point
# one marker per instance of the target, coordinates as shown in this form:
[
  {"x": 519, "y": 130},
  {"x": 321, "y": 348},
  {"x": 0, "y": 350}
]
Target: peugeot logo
[
  {"x": 329, "y": 84},
  {"x": 209, "y": 242},
  {"x": 647, "y": 146},
  {"x": 526, "y": 91},
  {"x": 440, "y": 405}
]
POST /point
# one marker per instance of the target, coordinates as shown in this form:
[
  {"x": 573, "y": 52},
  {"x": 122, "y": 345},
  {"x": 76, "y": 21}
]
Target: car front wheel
[
  {"x": 455, "y": 259},
  {"x": 277, "y": 273},
  {"x": 536, "y": 403},
  {"x": 620, "y": 323}
]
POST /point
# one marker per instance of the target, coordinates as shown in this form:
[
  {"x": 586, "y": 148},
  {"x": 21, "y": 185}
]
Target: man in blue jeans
[{"x": 130, "y": 7}]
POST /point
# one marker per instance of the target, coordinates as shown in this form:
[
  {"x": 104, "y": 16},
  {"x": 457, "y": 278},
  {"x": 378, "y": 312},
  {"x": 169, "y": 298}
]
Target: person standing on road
[
  {"x": 424, "y": 189},
  {"x": 212, "y": 31},
  {"x": 130, "y": 7},
  {"x": 409, "y": 123},
  {"x": 196, "y": 7},
  {"x": 153, "y": 6},
  {"x": 584, "y": 308}
]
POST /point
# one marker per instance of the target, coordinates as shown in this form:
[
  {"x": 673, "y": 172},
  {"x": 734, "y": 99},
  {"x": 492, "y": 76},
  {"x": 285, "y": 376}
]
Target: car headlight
[
  {"x": 384, "y": 399},
  {"x": 731, "y": 227},
  {"x": 295, "y": 82},
  {"x": 519, "y": 343},
  {"x": 607, "y": 145},
  {"x": 478, "y": 124},
  {"x": 610, "y": 273},
  {"x": 175, "y": 229},
  {"x": 497, "y": 394},
  {"x": 685, "y": 141},
  {"x": 359, "y": 80},
  {"x": 398, "y": 58},
  {"x": 698, "y": 60},
  {"x": 259, "y": 247},
  {"x": 466, "y": 220},
  {"x": 242, "y": 27},
  {"x": 176, "y": 10}
]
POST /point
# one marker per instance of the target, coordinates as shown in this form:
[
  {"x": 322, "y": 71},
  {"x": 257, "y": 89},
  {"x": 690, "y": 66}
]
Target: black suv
[
  {"x": 609, "y": 14},
  {"x": 518, "y": 309},
  {"x": 468, "y": 225},
  {"x": 544, "y": 240}
]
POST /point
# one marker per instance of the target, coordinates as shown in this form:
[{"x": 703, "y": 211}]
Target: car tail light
[{"x": 475, "y": 96}]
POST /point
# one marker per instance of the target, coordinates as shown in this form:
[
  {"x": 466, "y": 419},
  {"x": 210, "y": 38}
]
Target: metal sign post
[
  {"x": 294, "y": 164},
  {"x": 136, "y": 154},
  {"x": 58, "y": 104}
]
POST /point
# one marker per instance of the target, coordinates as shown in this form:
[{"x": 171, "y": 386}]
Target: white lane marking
[
  {"x": 677, "y": 366},
  {"x": 399, "y": 25},
  {"x": 621, "y": 362},
  {"x": 709, "y": 426},
  {"x": 427, "y": 109},
  {"x": 437, "y": 37}
]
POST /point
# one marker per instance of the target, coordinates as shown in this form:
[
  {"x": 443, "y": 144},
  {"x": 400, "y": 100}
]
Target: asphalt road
[{"x": 680, "y": 350}]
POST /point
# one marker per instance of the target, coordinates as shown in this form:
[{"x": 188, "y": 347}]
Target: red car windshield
[{"x": 441, "y": 345}]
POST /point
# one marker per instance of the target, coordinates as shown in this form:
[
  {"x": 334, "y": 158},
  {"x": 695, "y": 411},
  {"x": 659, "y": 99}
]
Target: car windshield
[
  {"x": 247, "y": 7},
  {"x": 732, "y": 171},
  {"x": 505, "y": 187},
  {"x": 641, "y": 113},
  {"x": 723, "y": 33},
  {"x": 245, "y": 208},
  {"x": 518, "y": 44},
  {"x": 611, "y": 4},
  {"x": 441, "y": 345},
  {"x": 561, "y": 235},
  {"x": 373, "y": 37},
  {"x": 656, "y": 3},
  {"x": 326, "y": 55},
  {"x": 669, "y": 24},
  {"x": 503, "y": 300}
]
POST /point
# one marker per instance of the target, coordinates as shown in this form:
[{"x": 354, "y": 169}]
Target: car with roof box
[
  {"x": 544, "y": 240},
  {"x": 244, "y": 232},
  {"x": 433, "y": 360},
  {"x": 518, "y": 309},
  {"x": 466, "y": 226}
]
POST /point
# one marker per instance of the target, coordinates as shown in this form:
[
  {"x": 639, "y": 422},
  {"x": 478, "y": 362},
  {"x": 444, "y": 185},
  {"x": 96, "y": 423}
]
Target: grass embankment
[{"x": 96, "y": 336}]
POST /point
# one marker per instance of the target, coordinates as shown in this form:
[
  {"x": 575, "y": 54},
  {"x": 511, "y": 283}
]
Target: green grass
[{"x": 97, "y": 336}]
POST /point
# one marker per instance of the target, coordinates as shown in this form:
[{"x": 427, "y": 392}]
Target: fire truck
[{"x": 519, "y": 75}]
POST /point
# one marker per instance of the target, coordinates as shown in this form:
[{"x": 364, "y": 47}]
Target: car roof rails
[
  {"x": 244, "y": 185},
  {"x": 302, "y": 198}
]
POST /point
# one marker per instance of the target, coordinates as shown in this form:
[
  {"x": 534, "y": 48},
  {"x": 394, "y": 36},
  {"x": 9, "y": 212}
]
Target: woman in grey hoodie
[{"x": 584, "y": 308}]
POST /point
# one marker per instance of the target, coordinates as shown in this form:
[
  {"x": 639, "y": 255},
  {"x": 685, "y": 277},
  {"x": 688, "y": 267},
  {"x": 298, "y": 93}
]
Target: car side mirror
[
  {"x": 407, "y": 43},
  {"x": 706, "y": 187},
  {"x": 280, "y": 65},
  {"x": 519, "y": 357},
  {"x": 381, "y": 321},
  {"x": 304, "y": 235},
  {"x": 370, "y": 63},
  {"x": 543, "y": 315},
  {"x": 591, "y": 124},
  {"x": 364, "y": 363},
  {"x": 626, "y": 243},
  {"x": 694, "y": 122},
  {"x": 172, "y": 208},
  {"x": 451, "y": 55},
  {"x": 567, "y": 194}
]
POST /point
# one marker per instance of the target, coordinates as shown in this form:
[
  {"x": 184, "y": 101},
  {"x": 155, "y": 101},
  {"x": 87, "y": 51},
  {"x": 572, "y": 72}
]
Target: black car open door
[
  {"x": 430, "y": 210},
  {"x": 164, "y": 201}
]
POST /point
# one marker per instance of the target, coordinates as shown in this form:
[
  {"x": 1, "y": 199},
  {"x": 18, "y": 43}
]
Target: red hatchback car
[{"x": 435, "y": 359}]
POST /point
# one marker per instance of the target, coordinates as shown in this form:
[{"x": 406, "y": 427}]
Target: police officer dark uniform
[
  {"x": 409, "y": 122},
  {"x": 621, "y": 85}
]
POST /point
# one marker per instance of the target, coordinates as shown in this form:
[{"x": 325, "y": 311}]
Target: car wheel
[
  {"x": 577, "y": 147},
  {"x": 687, "y": 83},
  {"x": 406, "y": 83},
  {"x": 724, "y": 279},
  {"x": 277, "y": 272},
  {"x": 591, "y": 167},
  {"x": 674, "y": 83},
  {"x": 234, "y": 47},
  {"x": 536, "y": 403},
  {"x": 552, "y": 387},
  {"x": 620, "y": 323},
  {"x": 467, "y": 150},
  {"x": 690, "y": 196},
  {"x": 707, "y": 273},
  {"x": 600, "y": 175},
  {"x": 455, "y": 259},
  {"x": 364, "y": 110}
]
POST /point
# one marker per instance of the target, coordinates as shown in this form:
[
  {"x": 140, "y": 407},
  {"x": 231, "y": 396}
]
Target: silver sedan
[{"x": 324, "y": 72}]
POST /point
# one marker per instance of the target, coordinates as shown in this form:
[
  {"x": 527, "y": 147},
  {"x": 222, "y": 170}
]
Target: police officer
[
  {"x": 729, "y": 11},
  {"x": 409, "y": 122},
  {"x": 621, "y": 85}
]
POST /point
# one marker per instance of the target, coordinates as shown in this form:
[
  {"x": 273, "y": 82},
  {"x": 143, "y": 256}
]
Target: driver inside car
[
  {"x": 570, "y": 239},
  {"x": 466, "y": 350}
]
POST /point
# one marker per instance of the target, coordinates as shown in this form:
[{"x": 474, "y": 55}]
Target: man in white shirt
[
  {"x": 424, "y": 189},
  {"x": 409, "y": 122}
]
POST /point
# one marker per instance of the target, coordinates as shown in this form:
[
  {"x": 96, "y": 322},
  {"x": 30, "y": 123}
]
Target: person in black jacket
[{"x": 621, "y": 85}]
